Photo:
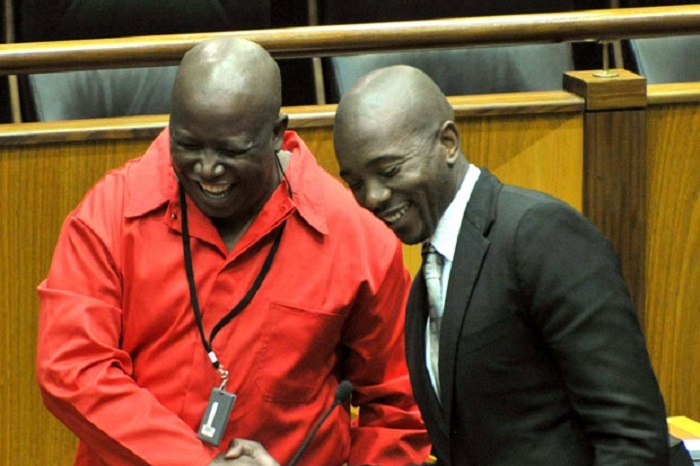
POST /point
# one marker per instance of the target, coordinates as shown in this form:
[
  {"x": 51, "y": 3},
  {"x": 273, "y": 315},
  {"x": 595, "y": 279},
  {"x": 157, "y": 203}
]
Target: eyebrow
[
  {"x": 384, "y": 159},
  {"x": 234, "y": 143}
]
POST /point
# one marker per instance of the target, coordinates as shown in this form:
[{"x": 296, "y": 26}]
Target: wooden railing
[{"x": 308, "y": 41}]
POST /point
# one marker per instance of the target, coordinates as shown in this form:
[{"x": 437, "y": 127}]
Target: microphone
[{"x": 342, "y": 394}]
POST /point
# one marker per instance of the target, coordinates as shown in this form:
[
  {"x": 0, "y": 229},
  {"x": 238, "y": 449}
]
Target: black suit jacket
[{"x": 542, "y": 361}]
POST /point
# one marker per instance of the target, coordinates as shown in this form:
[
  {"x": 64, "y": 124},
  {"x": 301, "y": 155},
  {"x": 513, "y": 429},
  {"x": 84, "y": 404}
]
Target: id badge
[{"x": 215, "y": 418}]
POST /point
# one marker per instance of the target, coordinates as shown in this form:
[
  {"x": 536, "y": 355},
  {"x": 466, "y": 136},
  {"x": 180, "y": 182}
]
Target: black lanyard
[{"x": 193, "y": 290}]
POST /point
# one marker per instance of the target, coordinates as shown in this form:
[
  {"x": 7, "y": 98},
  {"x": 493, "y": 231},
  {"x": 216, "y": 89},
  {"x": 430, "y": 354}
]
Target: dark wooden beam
[{"x": 615, "y": 180}]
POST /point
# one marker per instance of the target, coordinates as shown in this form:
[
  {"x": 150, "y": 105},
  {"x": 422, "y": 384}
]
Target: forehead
[
  {"x": 363, "y": 141},
  {"x": 217, "y": 103},
  {"x": 374, "y": 125},
  {"x": 376, "y": 149},
  {"x": 212, "y": 118}
]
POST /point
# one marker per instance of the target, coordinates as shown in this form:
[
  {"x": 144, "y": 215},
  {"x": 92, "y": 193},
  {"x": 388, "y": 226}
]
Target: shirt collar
[
  {"x": 307, "y": 189},
  {"x": 151, "y": 181},
  {"x": 444, "y": 238}
]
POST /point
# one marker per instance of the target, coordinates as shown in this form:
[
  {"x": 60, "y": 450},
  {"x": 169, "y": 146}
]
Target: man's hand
[{"x": 244, "y": 453}]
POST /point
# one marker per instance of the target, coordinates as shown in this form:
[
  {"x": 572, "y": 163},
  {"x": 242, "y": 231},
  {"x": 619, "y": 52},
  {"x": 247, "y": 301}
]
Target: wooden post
[{"x": 615, "y": 182}]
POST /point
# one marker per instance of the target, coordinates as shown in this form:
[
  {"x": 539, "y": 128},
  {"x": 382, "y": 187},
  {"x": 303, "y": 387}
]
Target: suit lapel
[{"x": 472, "y": 246}]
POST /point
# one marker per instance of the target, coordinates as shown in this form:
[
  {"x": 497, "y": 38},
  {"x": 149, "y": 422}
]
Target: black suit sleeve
[{"x": 580, "y": 306}]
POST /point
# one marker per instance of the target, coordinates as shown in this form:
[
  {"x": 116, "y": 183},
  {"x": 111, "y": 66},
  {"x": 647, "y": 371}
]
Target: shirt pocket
[{"x": 297, "y": 354}]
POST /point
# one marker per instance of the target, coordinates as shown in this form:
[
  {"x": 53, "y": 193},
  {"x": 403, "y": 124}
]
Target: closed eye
[
  {"x": 232, "y": 153},
  {"x": 356, "y": 186},
  {"x": 390, "y": 171},
  {"x": 188, "y": 146},
  {"x": 352, "y": 183}
]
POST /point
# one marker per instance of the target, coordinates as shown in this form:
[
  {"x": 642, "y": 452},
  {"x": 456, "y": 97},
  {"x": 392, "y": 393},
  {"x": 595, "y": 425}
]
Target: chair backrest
[
  {"x": 77, "y": 95},
  {"x": 136, "y": 91},
  {"x": 457, "y": 71},
  {"x": 520, "y": 68},
  {"x": 667, "y": 59}
]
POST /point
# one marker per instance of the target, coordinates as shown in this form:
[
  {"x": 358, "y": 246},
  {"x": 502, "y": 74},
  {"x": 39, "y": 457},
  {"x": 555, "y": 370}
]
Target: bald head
[
  {"x": 394, "y": 96},
  {"x": 226, "y": 130},
  {"x": 399, "y": 150},
  {"x": 220, "y": 73}
]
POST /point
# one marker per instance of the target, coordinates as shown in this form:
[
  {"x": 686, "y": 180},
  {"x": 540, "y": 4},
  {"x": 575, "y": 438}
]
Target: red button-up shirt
[{"x": 120, "y": 359}]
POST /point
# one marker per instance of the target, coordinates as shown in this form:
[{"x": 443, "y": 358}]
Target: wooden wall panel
[
  {"x": 673, "y": 254},
  {"x": 615, "y": 189},
  {"x": 543, "y": 152},
  {"x": 41, "y": 183}
]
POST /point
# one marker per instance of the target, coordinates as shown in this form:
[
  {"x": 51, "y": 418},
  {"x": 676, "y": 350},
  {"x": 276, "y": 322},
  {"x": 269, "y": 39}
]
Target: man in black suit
[{"x": 541, "y": 357}]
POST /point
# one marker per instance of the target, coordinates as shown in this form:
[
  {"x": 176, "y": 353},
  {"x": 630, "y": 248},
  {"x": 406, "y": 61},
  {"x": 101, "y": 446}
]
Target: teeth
[
  {"x": 215, "y": 188},
  {"x": 396, "y": 215}
]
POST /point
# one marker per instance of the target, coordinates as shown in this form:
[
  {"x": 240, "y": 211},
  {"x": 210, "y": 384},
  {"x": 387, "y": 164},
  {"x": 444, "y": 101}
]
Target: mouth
[
  {"x": 216, "y": 191},
  {"x": 393, "y": 215}
]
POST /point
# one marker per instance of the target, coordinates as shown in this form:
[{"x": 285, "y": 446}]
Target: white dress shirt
[{"x": 444, "y": 240}]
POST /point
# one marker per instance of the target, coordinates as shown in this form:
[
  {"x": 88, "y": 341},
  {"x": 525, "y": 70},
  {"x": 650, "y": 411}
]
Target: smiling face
[
  {"x": 225, "y": 132},
  {"x": 404, "y": 180},
  {"x": 225, "y": 159},
  {"x": 400, "y": 158}
]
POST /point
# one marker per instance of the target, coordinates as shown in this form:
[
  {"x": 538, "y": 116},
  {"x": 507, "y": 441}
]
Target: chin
[{"x": 408, "y": 237}]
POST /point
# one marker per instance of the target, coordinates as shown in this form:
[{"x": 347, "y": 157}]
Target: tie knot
[
  {"x": 431, "y": 254},
  {"x": 428, "y": 248}
]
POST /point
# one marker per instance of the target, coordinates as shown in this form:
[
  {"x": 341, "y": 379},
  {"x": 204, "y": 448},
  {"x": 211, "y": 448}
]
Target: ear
[
  {"x": 278, "y": 131},
  {"x": 450, "y": 141}
]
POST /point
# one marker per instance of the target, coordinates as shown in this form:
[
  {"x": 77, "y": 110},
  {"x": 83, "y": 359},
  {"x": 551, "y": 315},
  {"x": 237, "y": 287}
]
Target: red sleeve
[
  {"x": 85, "y": 378},
  {"x": 389, "y": 429}
]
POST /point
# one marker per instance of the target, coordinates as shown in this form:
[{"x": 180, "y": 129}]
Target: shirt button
[{"x": 174, "y": 216}]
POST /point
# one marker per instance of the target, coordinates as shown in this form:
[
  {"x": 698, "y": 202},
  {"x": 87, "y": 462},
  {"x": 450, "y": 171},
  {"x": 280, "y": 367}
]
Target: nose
[
  {"x": 376, "y": 194},
  {"x": 209, "y": 165}
]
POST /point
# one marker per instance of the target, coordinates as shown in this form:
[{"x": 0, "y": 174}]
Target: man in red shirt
[{"x": 223, "y": 262}]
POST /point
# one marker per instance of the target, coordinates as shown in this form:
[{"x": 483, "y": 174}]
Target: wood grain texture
[
  {"x": 543, "y": 152},
  {"x": 673, "y": 254},
  {"x": 517, "y": 103},
  {"x": 102, "y": 129},
  {"x": 302, "y": 116},
  {"x": 623, "y": 90},
  {"x": 308, "y": 41},
  {"x": 615, "y": 189},
  {"x": 673, "y": 93},
  {"x": 39, "y": 185},
  {"x": 615, "y": 185}
]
